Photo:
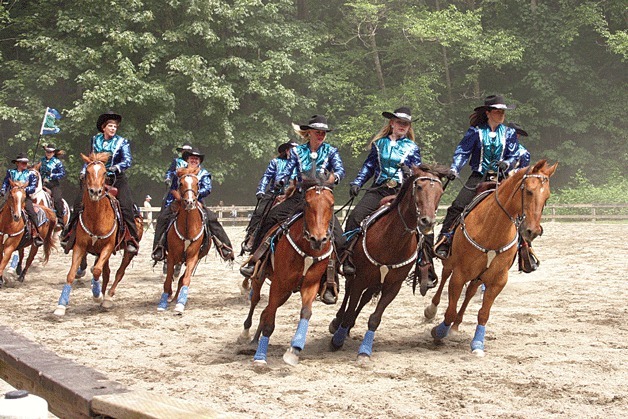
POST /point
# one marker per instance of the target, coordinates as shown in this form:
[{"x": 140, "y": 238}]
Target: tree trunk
[{"x": 376, "y": 61}]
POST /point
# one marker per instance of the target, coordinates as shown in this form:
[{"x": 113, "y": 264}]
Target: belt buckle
[{"x": 391, "y": 183}]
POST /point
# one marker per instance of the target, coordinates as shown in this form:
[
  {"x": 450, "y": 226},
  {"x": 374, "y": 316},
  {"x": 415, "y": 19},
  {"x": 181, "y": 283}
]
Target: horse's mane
[
  {"x": 182, "y": 171},
  {"x": 101, "y": 157},
  {"x": 318, "y": 179},
  {"x": 434, "y": 169}
]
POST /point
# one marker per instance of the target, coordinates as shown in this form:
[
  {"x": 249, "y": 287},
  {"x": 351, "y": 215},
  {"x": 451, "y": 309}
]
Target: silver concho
[
  {"x": 392, "y": 183},
  {"x": 492, "y": 134},
  {"x": 313, "y": 155}
]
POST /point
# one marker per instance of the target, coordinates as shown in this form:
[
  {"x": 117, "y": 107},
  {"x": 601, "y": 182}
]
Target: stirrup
[{"x": 158, "y": 254}]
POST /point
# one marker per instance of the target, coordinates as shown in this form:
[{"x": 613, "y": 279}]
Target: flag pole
[{"x": 41, "y": 133}]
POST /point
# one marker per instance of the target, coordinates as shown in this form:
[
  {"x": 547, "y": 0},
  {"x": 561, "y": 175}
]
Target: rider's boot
[
  {"x": 443, "y": 245},
  {"x": 37, "y": 240},
  {"x": 248, "y": 269},
  {"x": 159, "y": 252},
  {"x": 225, "y": 252},
  {"x": 330, "y": 295}
]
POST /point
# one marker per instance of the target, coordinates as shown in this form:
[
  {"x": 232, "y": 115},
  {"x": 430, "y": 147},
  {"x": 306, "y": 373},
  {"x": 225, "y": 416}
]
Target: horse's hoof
[
  {"x": 333, "y": 325},
  {"x": 107, "y": 302},
  {"x": 260, "y": 363},
  {"x": 178, "y": 309},
  {"x": 435, "y": 335},
  {"x": 333, "y": 347},
  {"x": 363, "y": 359},
  {"x": 60, "y": 311},
  {"x": 478, "y": 352},
  {"x": 21, "y": 277},
  {"x": 430, "y": 311},
  {"x": 161, "y": 309},
  {"x": 97, "y": 299},
  {"x": 291, "y": 357},
  {"x": 244, "y": 337}
]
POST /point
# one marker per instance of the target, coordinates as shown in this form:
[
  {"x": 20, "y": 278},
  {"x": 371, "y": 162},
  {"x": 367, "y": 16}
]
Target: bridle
[
  {"x": 6, "y": 235},
  {"x": 417, "y": 211},
  {"x": 184, "y": 237},
  {"x": 104, "y": 191},
  {"x": 306, "y": 233},
  {"x": 185, "y": 191}
]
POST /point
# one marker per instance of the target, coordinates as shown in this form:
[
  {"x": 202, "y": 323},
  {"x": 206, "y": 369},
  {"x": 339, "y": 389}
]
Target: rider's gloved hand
[
  {"x": 259, "y": 195},
  {"x": 503, "y": 166},
  {"x": 354, "y": 190},
  {"x": 452, "y": 174}
]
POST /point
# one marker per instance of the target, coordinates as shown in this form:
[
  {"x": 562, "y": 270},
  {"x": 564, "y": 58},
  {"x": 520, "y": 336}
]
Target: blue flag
[{"x": 48, "y": 124}]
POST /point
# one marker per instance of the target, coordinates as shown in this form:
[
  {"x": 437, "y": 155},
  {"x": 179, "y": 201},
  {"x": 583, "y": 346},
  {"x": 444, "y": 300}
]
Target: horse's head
[
  {"x": 17, "y": 198},
  {"x": 95, "y": 174},
  {"x": 319, "y": 209},
  {"x": 535, "y": 190},
  {"x": 426, "y": 188},
  {"x": 188, "y": 187}
]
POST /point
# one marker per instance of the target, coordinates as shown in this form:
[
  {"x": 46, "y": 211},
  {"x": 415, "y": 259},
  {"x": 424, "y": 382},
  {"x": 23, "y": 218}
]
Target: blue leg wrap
[
  {"x": 183, "y": 295},
  {"x": 251, "y": 294},
  {"x": 163, "y": 301},
  {"x": 64, "y": 300},
  {"x": 442, "y": 330},
  {"x": 262, "y": 348},
  {"x": 14, "y": 260},
  {"x": 478, "y": 338},
  {"x": 298, "y": 341},
  {"x": 340, "y": 336},
  {"x": 96, "y": 289},
  {"x": 366, "y": 347}
]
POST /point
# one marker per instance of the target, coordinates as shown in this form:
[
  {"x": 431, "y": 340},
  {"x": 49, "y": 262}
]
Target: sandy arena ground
[{"x": 556, "y": 342}]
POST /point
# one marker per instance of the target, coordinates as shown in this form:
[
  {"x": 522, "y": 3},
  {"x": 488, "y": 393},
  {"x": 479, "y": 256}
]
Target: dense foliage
[{"x": 230, "y": 77}]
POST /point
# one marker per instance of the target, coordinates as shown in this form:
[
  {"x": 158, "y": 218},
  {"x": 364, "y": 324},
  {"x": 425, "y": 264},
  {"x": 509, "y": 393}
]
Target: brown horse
[
  {"x": 300, "y": 259},
  {"x": 97, "y": 233},
  {"x": 484, "y": 246},
  {"x": 185, "y": 239},
  {"x": 385, "y": 252},
  {"x": 13, "y": 228}
]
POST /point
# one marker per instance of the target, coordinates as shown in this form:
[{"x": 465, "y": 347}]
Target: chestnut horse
[
  {"x": 41, "y": 198},
  {"x": 485, "y": 245},
  {"x": 300, "y": 259},
  {"x": 185, "y": 239},
  {"x": 13, "y": 227},
  {"x": 385, "y": 252},
  {"x": 97, "y": 233}
]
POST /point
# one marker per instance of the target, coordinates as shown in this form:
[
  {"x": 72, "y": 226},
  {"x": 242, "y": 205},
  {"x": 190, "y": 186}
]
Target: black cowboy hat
[
  {"x": 402, "y": 113},
  {"x": 110, "y": 115},
  {"x": 184, "y": 147},
  {"x": 193, "y": 152},
  {"x": 50, "y": 147},
  {"x": 23, "y": 157},
  {"x": 318, "y": 122},
  {"x": 494, "y": 102},
  {"x": 283, "y": 147},
  {"x": 517, "y": 128}
]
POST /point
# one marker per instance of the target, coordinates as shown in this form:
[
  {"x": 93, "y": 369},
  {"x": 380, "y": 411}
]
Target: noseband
[{"x": 417, "y": 211}]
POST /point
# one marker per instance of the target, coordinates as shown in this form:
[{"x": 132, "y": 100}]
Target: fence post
[
  {"x": 553, "y": 213},
  {"x": 593, "y": 214}
]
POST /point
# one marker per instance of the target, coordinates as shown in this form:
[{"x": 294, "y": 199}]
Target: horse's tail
[{"x": 49, "y": 239}]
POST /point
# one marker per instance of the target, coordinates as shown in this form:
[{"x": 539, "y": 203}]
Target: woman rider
[
  {"x": 315, "y": 154},
  {"x": 267, "y": 190},
  {"x": 488, "y": 146},
  {"x": 52, "y": 171},
  {"x": 120, "y": 159},
  {"x": 391, "y": 148}
]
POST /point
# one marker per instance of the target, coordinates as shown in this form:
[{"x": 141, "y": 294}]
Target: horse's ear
[
  {"x": 331, "y": 179},
  {"x": 539, "y": 165},
  {"x": 552, "y": 169},
  {"x": 85, "y": 158}
]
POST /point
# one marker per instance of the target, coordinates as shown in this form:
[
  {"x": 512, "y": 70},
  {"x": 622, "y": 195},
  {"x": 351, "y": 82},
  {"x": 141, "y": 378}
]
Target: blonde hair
[
  {"x": 303, "y": 133},
  {"x": 386, "y": 130}
]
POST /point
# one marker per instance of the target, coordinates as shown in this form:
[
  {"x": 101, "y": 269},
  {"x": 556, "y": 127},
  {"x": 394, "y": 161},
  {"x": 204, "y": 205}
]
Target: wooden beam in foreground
[{"x": 75, "y": 391}]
